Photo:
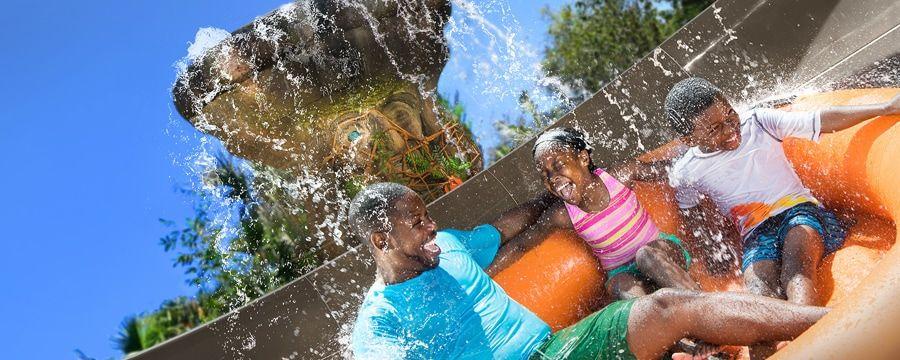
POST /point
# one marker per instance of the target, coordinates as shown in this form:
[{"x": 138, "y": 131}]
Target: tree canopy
[
  {"x": 268, "y": 241},
  {"x": 249, "y": 235},
  {"x": 592, "y": 41},
  {"x": 232, "y": 260}
]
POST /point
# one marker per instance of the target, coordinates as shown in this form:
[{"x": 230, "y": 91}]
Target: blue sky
[{"x": 94, "y": 152}]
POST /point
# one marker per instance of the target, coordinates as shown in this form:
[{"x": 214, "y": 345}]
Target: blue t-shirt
[{"x": 452, "y": 311}]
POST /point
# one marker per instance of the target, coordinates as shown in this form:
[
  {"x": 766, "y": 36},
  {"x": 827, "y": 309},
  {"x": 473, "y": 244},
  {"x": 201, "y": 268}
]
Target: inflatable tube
[
  {"x": 560, "y": 280},
  {"x": 855, "y": 172}
]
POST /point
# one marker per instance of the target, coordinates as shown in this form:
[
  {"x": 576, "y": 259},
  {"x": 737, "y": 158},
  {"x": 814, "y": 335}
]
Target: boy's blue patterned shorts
[{"x": 765, "y": 242}]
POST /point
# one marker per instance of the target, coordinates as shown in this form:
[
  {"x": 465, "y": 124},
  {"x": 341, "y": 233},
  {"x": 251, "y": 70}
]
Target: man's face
[
  {"x": 565, "y": 173},
  {"x": 716, "y": 128},
  {"x": 412, "y": 233}
]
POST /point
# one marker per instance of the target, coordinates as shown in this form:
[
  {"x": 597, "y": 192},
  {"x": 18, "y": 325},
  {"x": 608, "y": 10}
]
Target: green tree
[
  {"x": 513, "y": 131},
  {"x": 232, "y": 262},
  {"x": 173, "y": 318},
  {"x": 591, "y": 42},
  {"x": 268, "y": 242},
  {"x": 269, "y": 245}
]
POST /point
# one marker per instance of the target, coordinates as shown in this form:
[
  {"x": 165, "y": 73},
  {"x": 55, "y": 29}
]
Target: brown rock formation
[{"x": 325, "y": 84}]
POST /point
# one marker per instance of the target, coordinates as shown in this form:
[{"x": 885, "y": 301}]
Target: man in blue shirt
[{"x": 433, "y": 299}]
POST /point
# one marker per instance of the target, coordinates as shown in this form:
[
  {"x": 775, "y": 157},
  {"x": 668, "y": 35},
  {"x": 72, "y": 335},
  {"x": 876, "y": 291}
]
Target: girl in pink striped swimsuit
[{"x": 605, "y": 212}]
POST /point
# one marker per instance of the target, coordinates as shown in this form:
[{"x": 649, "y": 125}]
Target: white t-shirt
[{"x": 754, "y": 181}]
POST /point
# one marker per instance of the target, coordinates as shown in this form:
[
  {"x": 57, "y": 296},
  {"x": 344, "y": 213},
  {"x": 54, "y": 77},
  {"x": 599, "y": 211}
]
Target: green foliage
[
  {"x": 354, "y": 185},
  {"x": 435, "y": 164},
  {"x": 595, "y": 40},
  {"x": 456, "y": 166},
  {"x": 592, "y": 41},
  {"x": 130, "y": 338},
  {"x": 271, "y": 247},
  {"x": 683, "y": 11},
  {"x": 230, "y": 262},
  {"x": 513, "y": 132},
  {"x": 511, "y": 135},
  {"x": 418, "y": 162},
  {"x": 455, "y": 113},
  {"x": 428, "y": 160},
  {"x": 174, "y": 317}
]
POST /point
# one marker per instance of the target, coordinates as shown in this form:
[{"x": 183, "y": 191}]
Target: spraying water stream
[{"x": 318, "y": 96}]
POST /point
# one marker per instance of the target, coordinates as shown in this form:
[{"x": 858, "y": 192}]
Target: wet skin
[
  {"x": 718, "y": 128},
  {"x": 566, "y": 175},
  {"x": 407, "y": 248},
  {"x": 657, "y": 321}
]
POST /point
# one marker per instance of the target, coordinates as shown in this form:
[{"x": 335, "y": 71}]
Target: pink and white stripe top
[{"x": 617, "y": 232}]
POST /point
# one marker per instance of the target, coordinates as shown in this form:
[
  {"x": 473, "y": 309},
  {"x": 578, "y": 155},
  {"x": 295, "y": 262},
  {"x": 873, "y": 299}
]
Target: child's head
[
  {"x": 563, "y": 157},
  {"x": 702, "y": 116}
]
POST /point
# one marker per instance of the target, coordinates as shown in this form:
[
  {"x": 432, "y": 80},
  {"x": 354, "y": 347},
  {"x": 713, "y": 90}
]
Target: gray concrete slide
[{"x": 751, "y": 48}]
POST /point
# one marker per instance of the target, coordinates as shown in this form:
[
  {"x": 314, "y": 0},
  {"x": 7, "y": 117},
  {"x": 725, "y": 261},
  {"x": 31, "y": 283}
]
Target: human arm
[
  {"x": 636, "y": 170},
  {"x": 486, "y": 243},
  {"x": 513, "y": 221},
  {"x": 838, "y": 118},
  {"x": 806, "y": 124},
  {"x": 554, "y": 218}
]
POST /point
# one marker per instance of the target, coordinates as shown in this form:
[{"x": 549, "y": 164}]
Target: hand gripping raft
[{"x": 854, "y": 172}]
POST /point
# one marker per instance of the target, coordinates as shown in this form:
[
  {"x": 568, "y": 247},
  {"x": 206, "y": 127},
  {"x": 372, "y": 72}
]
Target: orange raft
[{"x": 855, "y": 172}]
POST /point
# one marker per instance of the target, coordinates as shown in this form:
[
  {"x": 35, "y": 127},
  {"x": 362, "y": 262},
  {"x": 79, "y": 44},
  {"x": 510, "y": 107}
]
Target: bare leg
[
  {"x": 663, "y": 262},
  {"x": 762, "y": 278},
  {"x": 659, "y": 320},
  {"x": 803, "y": 248},
  {"x": 793, "y": 280},
  {"x": 626, "y": 286}
]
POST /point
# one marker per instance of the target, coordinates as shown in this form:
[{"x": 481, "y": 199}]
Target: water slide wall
[{"x": 751, "y": 49}]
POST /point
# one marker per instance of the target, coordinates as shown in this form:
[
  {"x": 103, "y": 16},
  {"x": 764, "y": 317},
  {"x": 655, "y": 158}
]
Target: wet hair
[
  {"x": 687, "y": 99},
  {"x": 370, "y": 208},
  {"x": 563, "y": 137}
]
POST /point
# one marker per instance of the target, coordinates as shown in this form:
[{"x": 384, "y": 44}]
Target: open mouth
[
  {"x": 431, "y": 248},
  {"x": 564, "y": 189}
]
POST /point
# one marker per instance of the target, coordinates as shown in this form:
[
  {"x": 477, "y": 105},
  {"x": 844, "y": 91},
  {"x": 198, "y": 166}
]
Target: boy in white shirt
[{"x": 737, "y": 161}]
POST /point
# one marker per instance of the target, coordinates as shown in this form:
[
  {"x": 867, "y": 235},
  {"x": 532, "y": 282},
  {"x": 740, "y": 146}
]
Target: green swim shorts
[
  {"x": 602, "y": 335},
  {"x": 631, "y": 267}
]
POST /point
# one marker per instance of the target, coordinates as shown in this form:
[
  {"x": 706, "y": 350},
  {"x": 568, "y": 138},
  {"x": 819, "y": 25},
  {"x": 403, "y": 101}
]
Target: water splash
[
  {"x": 729, "y": 32},
  {"x": 504, "y": 65},
  {"x": 498, "y": 59},
  {"x": 655, "y": 59}
]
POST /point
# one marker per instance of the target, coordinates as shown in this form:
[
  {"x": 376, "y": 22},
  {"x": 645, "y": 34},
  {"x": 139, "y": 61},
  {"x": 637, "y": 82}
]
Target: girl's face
[{"x": 565, "y": 172}]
